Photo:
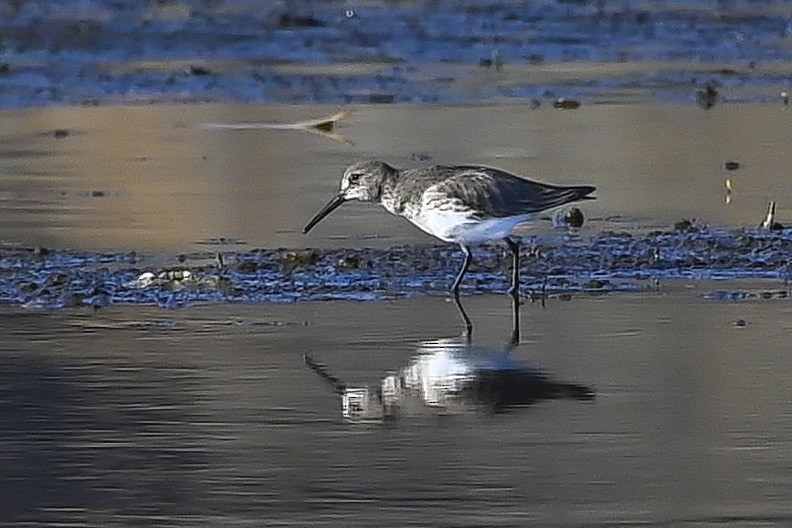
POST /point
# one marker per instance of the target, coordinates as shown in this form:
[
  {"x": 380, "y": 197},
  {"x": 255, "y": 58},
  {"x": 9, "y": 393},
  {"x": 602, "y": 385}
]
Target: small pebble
[
  {"x": 58, "y": 279},
  {"x": 288, "y": 21},
  {"x": 575, "y": 218},
  {"x": 596, "y": 284},
  {"x": 73, "y": 300},
  {"x": 304, "y": 257},
  {"x": 381, "y": 98},
  {"x": 350, "y": 262},
  {"x": 247, "y": 266},
  {"x": 708, "y": 96},
  {"x": 28, "y": 287},
  {"x": 199, "y": 70},
  {"x": 566, "y": 104},
  {"x": 572, "y": 218},
  {"x": 175, "y": 275}
]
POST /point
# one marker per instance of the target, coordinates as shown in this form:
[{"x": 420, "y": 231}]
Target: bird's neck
[{"x": 388, "y": 196}]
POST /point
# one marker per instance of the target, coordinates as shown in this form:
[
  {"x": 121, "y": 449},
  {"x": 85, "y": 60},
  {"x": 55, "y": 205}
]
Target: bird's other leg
[
  {"x": 515, "y": 337},
  {"x": 462, "y": 271},
  {"x": 514, "y": 247}
]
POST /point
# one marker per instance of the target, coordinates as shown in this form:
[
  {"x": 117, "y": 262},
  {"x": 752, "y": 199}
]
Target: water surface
[
  {"x": 154, "y": 179},
  {"x": 209, "y": 416}
]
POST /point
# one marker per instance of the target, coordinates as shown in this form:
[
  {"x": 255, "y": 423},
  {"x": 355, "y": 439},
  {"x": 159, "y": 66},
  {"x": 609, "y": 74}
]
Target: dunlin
[{"x": 463, "y": 204}]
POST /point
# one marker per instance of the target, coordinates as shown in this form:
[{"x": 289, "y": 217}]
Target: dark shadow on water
[
  {"x": 453, "y": 375},
  {"x": 81, "y": 434}
]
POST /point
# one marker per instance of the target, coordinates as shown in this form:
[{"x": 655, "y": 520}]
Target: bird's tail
[
  {"x": 556, "y": 196},
  {"x": 579, "y": 192},
  {"x": 575, "y": 391}
]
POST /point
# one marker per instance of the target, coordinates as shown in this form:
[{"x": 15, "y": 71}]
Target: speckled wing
[{"x": 491, "y": 193}]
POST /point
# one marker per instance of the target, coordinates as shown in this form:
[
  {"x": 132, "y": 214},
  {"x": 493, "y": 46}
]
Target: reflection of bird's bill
[{"x": 331, "y": 206}]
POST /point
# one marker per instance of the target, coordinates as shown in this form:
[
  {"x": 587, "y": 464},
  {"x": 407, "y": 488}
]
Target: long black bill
[{"x": 331, "y": 206}]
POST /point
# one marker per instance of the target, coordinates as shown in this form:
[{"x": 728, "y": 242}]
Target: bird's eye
[{"x": 354, "y": 177}]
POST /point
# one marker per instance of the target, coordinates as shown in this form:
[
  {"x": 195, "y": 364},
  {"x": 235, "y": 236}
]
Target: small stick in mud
[
  {"x": 769, "y": 222},
  {"x": 324, "y": 126}
]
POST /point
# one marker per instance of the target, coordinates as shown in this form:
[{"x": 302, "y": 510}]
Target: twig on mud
[{"x": 324, "y": 126}]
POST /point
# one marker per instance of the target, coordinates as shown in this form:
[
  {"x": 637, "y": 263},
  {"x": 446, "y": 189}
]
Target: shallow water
[
  {"x": 208, "y": 416},
  {"x": 154, "y": 179}
]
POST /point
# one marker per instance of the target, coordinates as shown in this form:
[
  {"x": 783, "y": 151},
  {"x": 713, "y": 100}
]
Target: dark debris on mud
[{"x": 554, "y": 266}]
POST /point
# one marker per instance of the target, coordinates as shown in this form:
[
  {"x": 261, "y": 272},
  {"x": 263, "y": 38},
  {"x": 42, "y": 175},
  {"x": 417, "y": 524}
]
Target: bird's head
[{"x": 361, "y": 181}]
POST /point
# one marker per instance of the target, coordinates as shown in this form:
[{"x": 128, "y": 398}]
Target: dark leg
[
  {"x": 515, "y": 337},
  {"x": 465, "y": 318},
  {"x": 514, "y": 290},
  {"x": 462, "y": 271}
]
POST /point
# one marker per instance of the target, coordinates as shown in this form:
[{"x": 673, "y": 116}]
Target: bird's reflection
[{"x": 453, "y": 375}]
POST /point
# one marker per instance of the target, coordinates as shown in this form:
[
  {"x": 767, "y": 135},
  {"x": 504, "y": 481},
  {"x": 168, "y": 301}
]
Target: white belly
[{"x": 462, "y": 228}]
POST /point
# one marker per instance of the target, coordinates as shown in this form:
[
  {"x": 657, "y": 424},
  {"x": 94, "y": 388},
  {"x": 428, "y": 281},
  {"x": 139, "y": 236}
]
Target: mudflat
[{"x": 176, "y": 352}]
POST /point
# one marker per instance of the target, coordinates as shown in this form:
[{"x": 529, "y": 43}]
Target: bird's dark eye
[{"x": 355, "y": 177}]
